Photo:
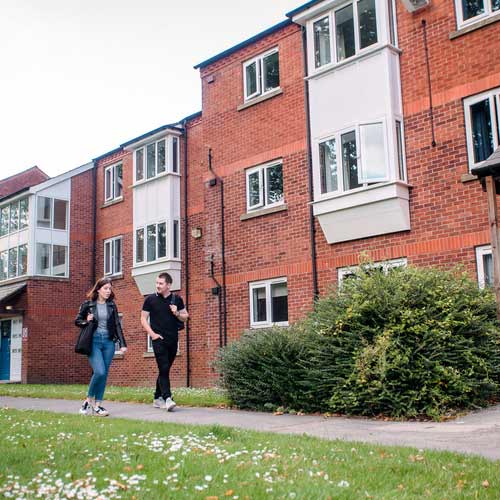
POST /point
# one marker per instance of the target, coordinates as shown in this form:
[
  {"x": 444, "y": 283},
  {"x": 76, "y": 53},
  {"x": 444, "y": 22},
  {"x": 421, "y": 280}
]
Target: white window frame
[
  {"x": 342, "y": 272},
  {"x": 113, "y": 188},
  {"x": 51, "y": 260},
  {"x": 267, "y": 285},
  {"x": 168, "y": 167},
  {"x": 480, "y": 253},
  {"x": 8, "y": 205},
  {"x": 263, "y": 185},
  {"x": 258, "y": 60},
  {"x": 145, "y": 243},
  {"x": 493, "y": 97},
  {"x": 52, "y": 218},
  {"x": 17, "y": 275},
  {"x": 111, "y": 244},
  {"x": 333, "y": 35},
  {"x": 488, "y": 12},
  {"x": 356, "y": 128}
]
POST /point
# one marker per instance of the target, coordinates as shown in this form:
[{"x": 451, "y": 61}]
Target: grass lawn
[
  {"x": 69, "y": 456},
  {"x": 183, "y": 396}
]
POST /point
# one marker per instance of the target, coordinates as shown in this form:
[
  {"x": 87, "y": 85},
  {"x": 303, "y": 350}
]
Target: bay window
[
  {"x": 14, "y": 262},
  {"x": 14, "y": 217},
  {"x": 52, "y": 213},
  {"x": 151, "y": 242},
  {"x": 153, "y": 159},
  {"x": 344, "y": 32},
  {"x": 51, "y": 260}
]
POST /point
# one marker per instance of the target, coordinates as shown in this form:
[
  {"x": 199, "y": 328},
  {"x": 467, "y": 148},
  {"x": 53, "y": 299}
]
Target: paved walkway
[{"x": 476, "y": 433}]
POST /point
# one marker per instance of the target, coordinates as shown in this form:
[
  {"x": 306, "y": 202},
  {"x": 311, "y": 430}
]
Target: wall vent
[{"x": 414, "y": 5}]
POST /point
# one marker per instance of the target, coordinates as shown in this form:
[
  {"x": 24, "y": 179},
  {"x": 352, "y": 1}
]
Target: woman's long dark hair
[{"x": 92, "y": 295}]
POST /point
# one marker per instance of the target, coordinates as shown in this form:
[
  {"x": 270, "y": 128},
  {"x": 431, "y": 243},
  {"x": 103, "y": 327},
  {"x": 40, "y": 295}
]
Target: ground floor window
[
  {"x": 484, "y": 263},
  {"x": 385, "y": 266},
  {"x": 269, "y": 303}
]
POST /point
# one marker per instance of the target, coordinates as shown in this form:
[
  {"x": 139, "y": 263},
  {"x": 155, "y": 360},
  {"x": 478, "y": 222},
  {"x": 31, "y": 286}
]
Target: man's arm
[
  {"x": 182, "y": 314},
  {"x": 147, "y": 328}
]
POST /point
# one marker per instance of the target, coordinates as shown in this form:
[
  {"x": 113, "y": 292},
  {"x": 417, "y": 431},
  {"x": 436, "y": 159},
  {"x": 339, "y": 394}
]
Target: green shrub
[{"x": 412, "y": 342}]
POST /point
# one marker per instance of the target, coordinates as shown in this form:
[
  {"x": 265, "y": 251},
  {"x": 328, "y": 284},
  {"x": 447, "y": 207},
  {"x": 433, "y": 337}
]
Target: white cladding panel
[
  {"x": 61, "y": 190},
  {"x": 356, "y": 92},
  {"x": 16, "y": 349}
]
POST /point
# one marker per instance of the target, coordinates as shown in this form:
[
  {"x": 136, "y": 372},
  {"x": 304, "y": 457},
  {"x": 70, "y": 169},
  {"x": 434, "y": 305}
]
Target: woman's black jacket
[{"x": 114, "y": 327}]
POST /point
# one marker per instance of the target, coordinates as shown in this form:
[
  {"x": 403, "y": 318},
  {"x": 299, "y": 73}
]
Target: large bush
[{"x": 410, "y": 342}]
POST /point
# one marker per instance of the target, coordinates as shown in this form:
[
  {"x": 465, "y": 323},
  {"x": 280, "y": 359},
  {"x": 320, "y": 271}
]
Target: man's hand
[
  {"x": 155, "y": 336},
  {"x": 173, "y": 308}
]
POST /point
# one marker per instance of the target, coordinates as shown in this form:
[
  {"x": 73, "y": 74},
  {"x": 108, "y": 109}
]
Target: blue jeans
[{"x": 103, "y": 350}]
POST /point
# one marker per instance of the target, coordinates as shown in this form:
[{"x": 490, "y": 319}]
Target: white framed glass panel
[
  {"x": 14, "y": 217},
  {"x": 373, "y": 157},
  {"x": 251, "y": 80},
  {"x": 12, "y": 262},
  {"x": 472, "y": 8},
  {"x": 44, "y": 212},
  {"x": 259, "y": 305},
  {"x": 322, "y": 42},
  {"x": 4, "y": 220},
  {"x": 150, "y": 160},
  {"x": 254, "y": 189},
  {"x": 107, "y": 257},
  {"x": 274, "y": 184},
  {"x": 177, "y": 239},
  {"x": 484, "y": 263},
  {"x": 22, "y": 260},
  {"x": 108, "y": 184},
  {"x": 151, "y": 242},
  {"x": 43, "y": 259},
  {"x": 328, "y": 166},
  {"x": 59, "y": 260},
  {"x": 118, "y": 184},
  {"x": 344, "y": 28},
  {"x": 482, "y": 130},
  {"x": 139, "y": 245},
  {"x": 117, "y": 256},
  {"x": 367, "y": 23},
  {"x": 139, "y": 164},
  {"x": 162, "y": 240},
  {"x": 270, "y": 72},
  {"x": 4, "y": 265},
  {"x": 349, "y": 161},
  {"x": 23, "y": 213},
  {"x": 161, "y": 163},
  {"x": 279, "y": 302},
  {"x": 60, "y": 214},
  {"x": 175, "y": 154},
  {"x": 400, "y": 150}
]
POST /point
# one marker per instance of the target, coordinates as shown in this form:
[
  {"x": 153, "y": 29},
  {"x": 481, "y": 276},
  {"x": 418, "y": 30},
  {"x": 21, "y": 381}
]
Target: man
[{"x": 160, "y": 318}]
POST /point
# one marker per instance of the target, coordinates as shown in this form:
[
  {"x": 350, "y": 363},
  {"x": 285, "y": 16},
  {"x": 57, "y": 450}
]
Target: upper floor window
[
  {"x": 261, "y": 74},
  {"x": 484, "y": 263},
  {"x": 344, "y": 32},
  {"x": 52, "y": 213},
  {"x": 113, "y": 182},
  {"x": 113, "y": 256},
  {"x": 269, "y": 303},
  {"x": 353, "y": 158},
  {"x": 470, "y": 11},
  {"x": 14, "y": 262},
  {"x": 264, "y": 185},
  {"x": 51, "y": 260},
  {"x": 482, "y": 125},
  {"x": 151, "y": 242},
  {"x": 156, "y": 158},
  {"x": 14, "y": 217}
]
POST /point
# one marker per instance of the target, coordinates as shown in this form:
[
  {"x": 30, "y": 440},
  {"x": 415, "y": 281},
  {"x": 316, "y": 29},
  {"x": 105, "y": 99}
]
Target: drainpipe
[
  {"x": 312, "y": 229},
  {"x": 186, "y": 251},
  {"x": 223, "y": 242},
  {"x": 217, "y": 291},
  {"x": 429, "y": 85},
  {"x": 94, "y": 222}
]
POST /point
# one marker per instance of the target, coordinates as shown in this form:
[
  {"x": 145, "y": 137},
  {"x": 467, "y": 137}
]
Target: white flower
[
  {"x": 343, "y": 484},
  {"x": 208, "y": 478}
]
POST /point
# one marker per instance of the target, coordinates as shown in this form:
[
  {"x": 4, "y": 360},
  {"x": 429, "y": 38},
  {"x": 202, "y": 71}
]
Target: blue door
[{"x": 5, "y": 350}]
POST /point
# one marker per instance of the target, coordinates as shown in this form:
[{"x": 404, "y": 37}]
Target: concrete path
[{"x": 476, "y": 433}]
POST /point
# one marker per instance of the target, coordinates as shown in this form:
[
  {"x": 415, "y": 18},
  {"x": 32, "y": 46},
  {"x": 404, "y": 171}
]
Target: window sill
[
  {"x": 156, "y": 177},
  {"x": 263, "y": 211},
  {"x": 112, "y": 202},
  {"x": 476, "y": 25},
  {"x": 256, "y": 100},
  {"x": 468, "y": 178},
  {"x": 283, "y": 324},
  {"x": 117, "y": 276},
  {"x": 44, "y": 277}
]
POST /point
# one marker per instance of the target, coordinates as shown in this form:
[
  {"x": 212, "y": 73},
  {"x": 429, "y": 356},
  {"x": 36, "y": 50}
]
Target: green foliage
[{"x": 407, "y": 343}]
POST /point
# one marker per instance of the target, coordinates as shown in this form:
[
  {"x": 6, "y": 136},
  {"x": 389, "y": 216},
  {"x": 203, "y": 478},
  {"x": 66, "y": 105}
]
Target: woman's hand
[
  {"x": 90, "y": 317},
  {"x": 123, "y": 349}
]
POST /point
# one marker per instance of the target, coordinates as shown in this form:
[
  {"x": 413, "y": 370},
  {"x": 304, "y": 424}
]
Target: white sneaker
[
  {"x": 86, "y": 409},
  {"x": 159, "y": 402},
  {"x": 169, "y": 404},
  {"x": 100, "y": 411}
]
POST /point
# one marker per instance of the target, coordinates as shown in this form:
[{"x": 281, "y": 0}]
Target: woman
[{"x": 100, "y": 310}]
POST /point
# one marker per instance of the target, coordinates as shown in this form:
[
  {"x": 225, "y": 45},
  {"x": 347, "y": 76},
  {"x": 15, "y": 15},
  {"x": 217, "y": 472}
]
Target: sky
[{"x": 80, "y": 77}]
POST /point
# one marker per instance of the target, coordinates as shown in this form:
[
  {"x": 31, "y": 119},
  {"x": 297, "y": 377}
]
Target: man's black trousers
[{"x": 165, "y": 351}]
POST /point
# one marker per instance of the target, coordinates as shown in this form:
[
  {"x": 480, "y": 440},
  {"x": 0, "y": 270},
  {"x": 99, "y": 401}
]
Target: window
[
  {"x": 385, "y": 266},
  {"x": 176, "y": 238},
  {"x": 469, "y": 11},
  {"x": 484, "y": 263},
  {"x": 151, "y": 160},
  {"x": 269, "y": 303},
  {"x": 261, "y": 74},
  {"x": 400, "y": 150},
  {"x": 14, "y": 217},
  {"x": 265, "y": 185},
  {"x": 482, "y": 125},
  {"x": 151, "y": 242},
  {"x": 355, "y": 28},
  {"x": 113, "y": 256},
  {"x": 175, "y": 155},
  {"x": 360, "y": 162},
  {"x": 51, "y": 260},
  {"x": 52, "y": 213},
  {"x": 113, "y": 182},
  {"x": 14, "y": 262}
]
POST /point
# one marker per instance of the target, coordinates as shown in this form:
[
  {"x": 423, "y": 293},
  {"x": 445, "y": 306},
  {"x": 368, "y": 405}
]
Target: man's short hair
[{"x": 166, "y": 277}]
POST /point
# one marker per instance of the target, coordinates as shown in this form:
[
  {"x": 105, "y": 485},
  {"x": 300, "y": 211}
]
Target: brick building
[{"x": 349, "y": 128}]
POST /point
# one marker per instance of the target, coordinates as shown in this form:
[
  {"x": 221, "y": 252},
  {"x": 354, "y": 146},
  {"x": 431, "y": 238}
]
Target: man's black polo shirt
[{"x": 161, "y": 319}]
